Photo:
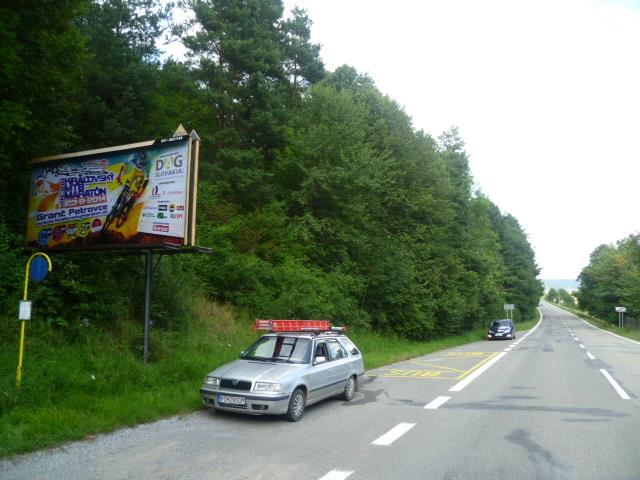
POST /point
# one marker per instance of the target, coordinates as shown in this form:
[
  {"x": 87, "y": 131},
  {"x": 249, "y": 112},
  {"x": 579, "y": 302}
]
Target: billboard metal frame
[
  {"x": 148, "y": 250},
  {"x": 131, "y": 228}
]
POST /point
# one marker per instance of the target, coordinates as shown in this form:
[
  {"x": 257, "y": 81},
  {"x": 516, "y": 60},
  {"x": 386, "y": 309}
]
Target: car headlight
[
  {"x": 267, "y": 387},
  {"x": 213, "y": 382}
]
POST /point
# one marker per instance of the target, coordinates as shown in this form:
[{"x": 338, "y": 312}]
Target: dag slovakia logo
[{"x": 169, "y": 165}]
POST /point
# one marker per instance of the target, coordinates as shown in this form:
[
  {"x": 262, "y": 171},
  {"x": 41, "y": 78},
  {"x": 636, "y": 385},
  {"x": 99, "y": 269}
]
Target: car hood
[{"x": 255, "y": 371}]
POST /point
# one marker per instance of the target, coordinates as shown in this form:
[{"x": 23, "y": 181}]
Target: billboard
[{"x": 132, "y": 195}]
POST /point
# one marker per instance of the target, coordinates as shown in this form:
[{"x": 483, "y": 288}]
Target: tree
[
  {"x": 120, "y": 74},
  {"x": 522, "y": 288},
  {"x": 252, "y": 66},
  {"x": 41, "y": 52},
  {"x": 565, "y": 298},
  {"x": 612, "y": 279}
]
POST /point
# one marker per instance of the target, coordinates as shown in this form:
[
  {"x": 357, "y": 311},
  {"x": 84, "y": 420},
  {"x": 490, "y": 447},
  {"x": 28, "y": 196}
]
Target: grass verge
[
  {"x": 94, "y": 382},
  {"x": 624, "y": 332}
]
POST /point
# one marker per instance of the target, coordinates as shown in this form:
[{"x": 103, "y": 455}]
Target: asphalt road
[{"x": 558, "y": 403}]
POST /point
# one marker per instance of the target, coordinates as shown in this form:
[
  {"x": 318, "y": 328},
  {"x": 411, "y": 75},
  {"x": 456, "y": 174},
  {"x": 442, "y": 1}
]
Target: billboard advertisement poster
[{"x": 121, "y": 196}]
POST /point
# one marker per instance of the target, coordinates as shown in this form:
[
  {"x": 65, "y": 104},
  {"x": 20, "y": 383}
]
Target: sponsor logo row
[{"x": 69, "y": 231}]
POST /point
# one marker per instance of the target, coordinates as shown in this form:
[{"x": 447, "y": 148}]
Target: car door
[
  {"x": 341, "y": 368},
  {"x": 320, "y": 377}
]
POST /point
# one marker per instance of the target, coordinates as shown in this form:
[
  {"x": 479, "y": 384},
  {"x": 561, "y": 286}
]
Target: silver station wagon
[{"x": 298, "y": 363}]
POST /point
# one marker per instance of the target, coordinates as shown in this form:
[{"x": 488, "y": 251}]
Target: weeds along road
[{"x": 559, "y": 402}]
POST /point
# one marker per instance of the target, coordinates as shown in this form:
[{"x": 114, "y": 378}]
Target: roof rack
[{"x": 313, "y": 326}]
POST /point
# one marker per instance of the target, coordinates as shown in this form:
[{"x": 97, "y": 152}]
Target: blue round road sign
[{"x": 38, "y": 269}]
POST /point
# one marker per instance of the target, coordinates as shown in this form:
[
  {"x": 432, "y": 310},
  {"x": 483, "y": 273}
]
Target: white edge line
[
  {"x": 466, "y": 381},
  {"x": 581, "y": 346},
  {"x": 610, "y": 333},
  {"x": 463, "y": 383},
  {"x": 437, "y": 403},
  {"x": 393, "y": 434},
  {"x": 614, "y": 384},
  {"x": 508, "y": 349},
  {"x": 336, "y": 475},
  {"x": 591, "y": 357}
]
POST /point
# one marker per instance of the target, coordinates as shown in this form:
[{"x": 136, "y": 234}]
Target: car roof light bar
[{"x": 295, "y": 326}]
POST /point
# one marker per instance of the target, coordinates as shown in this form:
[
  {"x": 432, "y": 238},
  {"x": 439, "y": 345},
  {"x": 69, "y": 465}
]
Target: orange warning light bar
[{"x": 295, "y": 326}]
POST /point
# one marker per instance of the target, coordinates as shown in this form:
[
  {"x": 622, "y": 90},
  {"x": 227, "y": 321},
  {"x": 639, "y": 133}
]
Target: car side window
[
  {"x": 349, "y": 345},
  {"x": 336, "y": 350},
  {"x": 321, "y": 351}
]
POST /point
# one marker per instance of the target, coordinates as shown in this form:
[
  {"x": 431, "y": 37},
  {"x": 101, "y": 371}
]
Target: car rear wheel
[
  {"x": 350, "y": 389},
  {"x": 296, "y": 405}
]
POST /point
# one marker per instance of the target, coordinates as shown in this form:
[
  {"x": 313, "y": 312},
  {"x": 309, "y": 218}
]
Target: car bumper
[
  {"x": 254, "y": 404},
  {"x": 507, "y": 336}
]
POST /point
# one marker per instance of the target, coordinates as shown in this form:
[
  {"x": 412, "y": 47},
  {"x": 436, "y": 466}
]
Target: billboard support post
[{"x": 147, "y": 305}]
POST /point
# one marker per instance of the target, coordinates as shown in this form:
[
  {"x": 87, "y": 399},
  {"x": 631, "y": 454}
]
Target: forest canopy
[
  {"x": 612, "y": 279},
  {"x": 318, "y": 196}
]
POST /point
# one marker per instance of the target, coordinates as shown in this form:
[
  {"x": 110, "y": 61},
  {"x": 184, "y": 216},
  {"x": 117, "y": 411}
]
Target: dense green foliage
[
  {"x": 317, "y": 195},
  {"x": 612, "y": 279},
  {"x": 561, "y": 296}
]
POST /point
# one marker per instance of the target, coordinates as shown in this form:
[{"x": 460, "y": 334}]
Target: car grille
[{"x": 235, "y": 384}]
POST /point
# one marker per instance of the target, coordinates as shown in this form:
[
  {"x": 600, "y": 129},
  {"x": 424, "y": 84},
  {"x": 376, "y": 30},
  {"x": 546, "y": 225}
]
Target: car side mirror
[
  {"x": 242, "y": 354},
  {"x": 320, "y": 360}
]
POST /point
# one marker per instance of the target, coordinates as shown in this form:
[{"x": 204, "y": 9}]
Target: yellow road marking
[
  {"x": 468, "y": 354},
  {"x": 443, "y": 372},
  {"x": 439, "y": 366},
  {"x": 393, "y": 372},
  {"x": 477, "y": 366}
]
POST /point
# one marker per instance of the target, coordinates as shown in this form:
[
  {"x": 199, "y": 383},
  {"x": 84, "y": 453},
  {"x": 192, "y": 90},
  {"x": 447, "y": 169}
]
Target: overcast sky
[{"x": 546, "y": 95}]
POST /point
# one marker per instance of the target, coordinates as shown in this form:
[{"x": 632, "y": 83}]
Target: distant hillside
[{"x": 557, "y": 283}]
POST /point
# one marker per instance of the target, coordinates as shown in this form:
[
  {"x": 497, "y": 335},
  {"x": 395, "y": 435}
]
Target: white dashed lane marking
[
  {"x": 393, "y": 434},
  {"x": 437, "y": 403},
  {"x": 614, "y": 384},
  {"x": 336, "y": 475}
]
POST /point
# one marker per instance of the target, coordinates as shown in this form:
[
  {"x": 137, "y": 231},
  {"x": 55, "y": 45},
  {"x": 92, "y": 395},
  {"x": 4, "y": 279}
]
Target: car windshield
[
  {"x": 279, "y": 349},
  {"x": 500, "y": 323}
]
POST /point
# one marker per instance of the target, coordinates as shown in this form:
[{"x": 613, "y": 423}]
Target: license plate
[
  {"x": 499, "y": 334},
  {"x": 226, "y": 399}
]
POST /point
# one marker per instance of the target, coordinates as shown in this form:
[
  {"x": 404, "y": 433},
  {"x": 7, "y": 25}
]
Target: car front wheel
[
  {"x": 350, "y": 389},
  {"x": 296, "y": 405}
]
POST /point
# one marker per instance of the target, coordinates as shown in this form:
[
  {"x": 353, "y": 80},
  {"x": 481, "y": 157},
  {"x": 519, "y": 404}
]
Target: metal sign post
[
  {"x": 621, "y": 311},
  {"x": 38, "y": 265},
  {"x": 509, "y": 307}
]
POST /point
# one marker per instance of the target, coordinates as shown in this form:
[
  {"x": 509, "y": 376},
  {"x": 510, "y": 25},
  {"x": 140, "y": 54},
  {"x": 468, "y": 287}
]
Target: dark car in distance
[{"x": 502, "y": 329}]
